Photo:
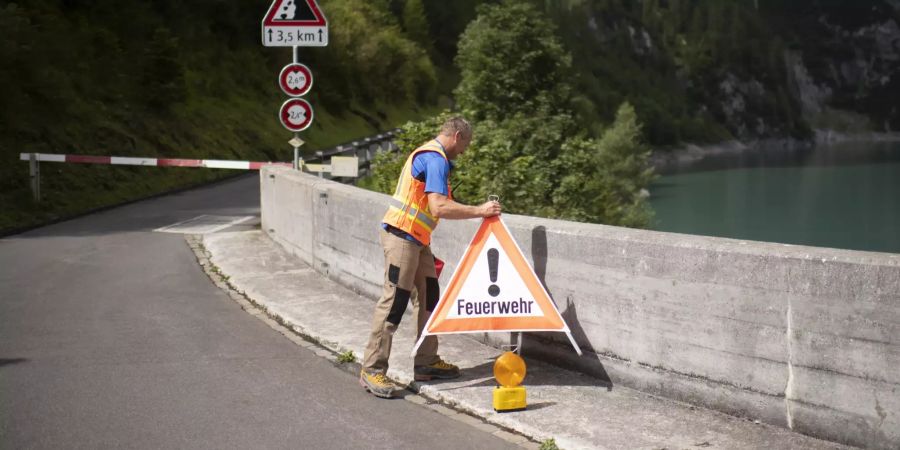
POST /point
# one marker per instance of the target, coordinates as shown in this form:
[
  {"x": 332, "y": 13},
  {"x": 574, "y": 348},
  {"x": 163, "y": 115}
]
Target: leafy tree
[
  {"x": 511, "y": 62},
  {"x": 527, "y": 147}
]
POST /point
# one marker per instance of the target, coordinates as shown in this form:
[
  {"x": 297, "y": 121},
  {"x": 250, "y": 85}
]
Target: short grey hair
[{"x": 456, "y": 124}]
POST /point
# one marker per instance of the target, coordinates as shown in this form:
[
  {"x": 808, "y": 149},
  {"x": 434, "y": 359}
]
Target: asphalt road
[{"x": 111, "y": 336}]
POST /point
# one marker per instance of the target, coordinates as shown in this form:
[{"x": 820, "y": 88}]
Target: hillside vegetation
[
  {"x": 192, "y": 80},
  {"x": 181, "y": 80}
]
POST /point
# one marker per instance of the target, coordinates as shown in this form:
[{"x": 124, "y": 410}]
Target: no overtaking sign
[{"x": 296, "y": 114}]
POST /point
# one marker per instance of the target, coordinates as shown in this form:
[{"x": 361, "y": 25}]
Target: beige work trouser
[{"x": 407, "y": 266}]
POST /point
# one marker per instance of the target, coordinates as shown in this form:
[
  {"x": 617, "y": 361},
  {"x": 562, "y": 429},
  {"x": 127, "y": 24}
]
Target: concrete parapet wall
[{"x": 802, "y": 337}]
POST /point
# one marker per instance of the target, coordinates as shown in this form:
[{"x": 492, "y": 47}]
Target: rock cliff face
[
  {"x": 843, "y": 72},
  {"x": 850, "y": 79},
  {"x": 711, "y": 70}
]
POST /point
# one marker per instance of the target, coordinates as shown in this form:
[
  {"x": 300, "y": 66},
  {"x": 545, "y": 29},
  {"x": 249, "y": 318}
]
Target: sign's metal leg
[
  {"x": 296, "y": 149},
  {"x": 35, "y": 173},
  {"x": 519, "y": 343}
]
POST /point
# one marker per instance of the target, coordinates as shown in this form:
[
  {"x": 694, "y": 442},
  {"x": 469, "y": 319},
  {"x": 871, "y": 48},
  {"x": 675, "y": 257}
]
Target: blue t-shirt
[{"x": 434, "y": 170}]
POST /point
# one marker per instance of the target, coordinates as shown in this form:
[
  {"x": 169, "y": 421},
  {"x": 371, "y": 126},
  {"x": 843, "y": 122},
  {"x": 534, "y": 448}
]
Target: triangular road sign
[
  {"x": 494, "y": 289},
  {"x": 295, "y": 23}
]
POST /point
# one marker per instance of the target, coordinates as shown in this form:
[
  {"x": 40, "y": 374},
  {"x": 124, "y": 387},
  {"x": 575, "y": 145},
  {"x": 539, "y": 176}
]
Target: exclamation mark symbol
[{"x": 493, "y": 260}]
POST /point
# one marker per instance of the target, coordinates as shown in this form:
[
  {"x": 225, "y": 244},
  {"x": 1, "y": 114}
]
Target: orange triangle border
[{"x": 551, "y": 320}]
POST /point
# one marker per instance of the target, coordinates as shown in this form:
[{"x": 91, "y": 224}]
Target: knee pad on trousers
[
  {"x": 393, "y": 274},
  {"x": 432, "y": 293},
  {"x": 398, "y": 307}
]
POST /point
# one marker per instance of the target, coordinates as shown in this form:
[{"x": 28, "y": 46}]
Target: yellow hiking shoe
[
  {"x": 377, "y": 383},
  {"x": 441, "y": 370}
]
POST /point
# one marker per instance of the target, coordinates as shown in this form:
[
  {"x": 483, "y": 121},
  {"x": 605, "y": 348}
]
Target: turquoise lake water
[{"x": 842, "y": 196}]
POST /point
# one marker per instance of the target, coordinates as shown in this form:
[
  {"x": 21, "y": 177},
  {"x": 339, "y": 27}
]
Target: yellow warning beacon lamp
[{"x": 509, "y": 370}]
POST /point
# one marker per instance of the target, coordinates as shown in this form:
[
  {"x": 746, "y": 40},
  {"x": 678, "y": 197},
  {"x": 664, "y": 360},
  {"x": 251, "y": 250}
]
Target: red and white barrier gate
[
  {"x": 36, "y": 158},
  {"x": 151, "y": 162},
  {"x": 340, "y": 166}
]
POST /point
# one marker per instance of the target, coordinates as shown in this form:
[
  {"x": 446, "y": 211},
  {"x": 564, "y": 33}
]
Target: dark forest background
[{"x": 192, "y": 80}]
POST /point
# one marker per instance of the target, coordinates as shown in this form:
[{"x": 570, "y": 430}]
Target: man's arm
[{"x": 444, "y": 208}]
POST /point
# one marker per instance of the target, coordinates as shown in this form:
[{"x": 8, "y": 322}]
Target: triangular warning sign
[
  {"x": 295, "y": 23},
  {"x": 494, "y": 289},
  {"x": 294, "y": 13}
]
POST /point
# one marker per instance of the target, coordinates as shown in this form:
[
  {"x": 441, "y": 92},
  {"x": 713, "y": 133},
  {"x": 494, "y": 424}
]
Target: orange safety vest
[{"x": 408, "y": 210}]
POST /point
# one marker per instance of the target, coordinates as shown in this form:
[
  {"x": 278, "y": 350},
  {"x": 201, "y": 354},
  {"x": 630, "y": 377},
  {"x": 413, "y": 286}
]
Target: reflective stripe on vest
[
  {"x": 413, "y": 213},
  {"x": 408, "y": 209}
]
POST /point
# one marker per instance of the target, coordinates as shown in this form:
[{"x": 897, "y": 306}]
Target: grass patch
[
  {"x": 549, "y": 444},
  {"x": 346, "y": 356}
]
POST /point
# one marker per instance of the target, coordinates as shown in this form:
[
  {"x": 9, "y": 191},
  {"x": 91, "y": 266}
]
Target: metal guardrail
[{"x": 365, "y": 149}]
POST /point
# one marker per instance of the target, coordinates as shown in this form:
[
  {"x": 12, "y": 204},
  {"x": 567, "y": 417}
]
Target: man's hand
[
  {"x": 444, "y": 208},
  {"x": 490, "y": 209}
]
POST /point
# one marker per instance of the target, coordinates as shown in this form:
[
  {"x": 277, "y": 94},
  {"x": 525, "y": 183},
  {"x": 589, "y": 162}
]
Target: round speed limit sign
[
  {"x": 295, "y": 80},
  {"x": 296, "y": 114}
]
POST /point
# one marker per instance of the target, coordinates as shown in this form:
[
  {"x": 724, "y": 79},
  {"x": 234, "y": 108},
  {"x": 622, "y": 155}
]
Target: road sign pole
[
  {"x": 519, "y": 343},
  {"x": 35, "y": 172},
  {"x": 296, "y": 143},
  {"x": 296, "y": 153},
  {"x": 294, "y": 51},
  {"x": 321, "y": 156}
]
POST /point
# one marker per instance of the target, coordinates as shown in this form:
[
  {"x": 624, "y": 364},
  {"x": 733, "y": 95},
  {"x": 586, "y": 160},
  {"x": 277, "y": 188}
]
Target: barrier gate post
[{"x": 35, "y": 173}]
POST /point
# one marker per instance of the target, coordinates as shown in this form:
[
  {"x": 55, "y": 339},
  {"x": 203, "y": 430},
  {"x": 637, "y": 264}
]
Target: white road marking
[{"x": 204, "y": 224}]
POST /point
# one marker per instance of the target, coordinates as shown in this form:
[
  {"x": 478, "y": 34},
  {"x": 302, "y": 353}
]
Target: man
[{"x": 423, "y": 196}]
